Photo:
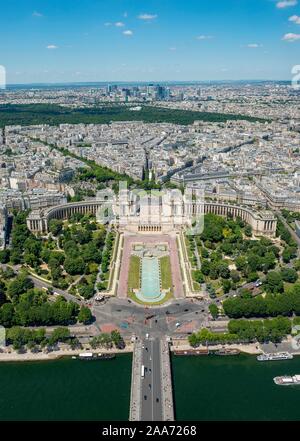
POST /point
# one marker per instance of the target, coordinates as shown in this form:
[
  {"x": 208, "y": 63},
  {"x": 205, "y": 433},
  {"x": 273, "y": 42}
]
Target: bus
[{"x": 143, "y": 371}]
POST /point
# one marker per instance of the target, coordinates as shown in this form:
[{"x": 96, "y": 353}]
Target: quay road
[{"x": 151, "y": 387}]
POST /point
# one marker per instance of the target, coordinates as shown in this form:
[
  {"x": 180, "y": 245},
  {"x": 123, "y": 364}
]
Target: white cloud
[
  {"x": 37, "y": 14},
  {"x": 125, "y": 15},
  {"x": 291, "y": 37},
  {"x": 173, "y": 49},
  {"x": 286, "y": 4},
  {"x": 107, "y": 24},
  {"x": 295, "y": 19},
  {"x": 52, "y": 46},
  {"x": 147, "y": 16},
  {"x": 119, "y": 24},
  {"x": 254, "y": 45},
  {"x": 128, "y": 33},
  {"x": 204, "y": 37}
]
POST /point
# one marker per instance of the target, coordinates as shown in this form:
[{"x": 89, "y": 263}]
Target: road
[
  {"x": 151, "y": 384},
  {"x": 158, "y": 321},
  {"x": 41, "y": 284}
]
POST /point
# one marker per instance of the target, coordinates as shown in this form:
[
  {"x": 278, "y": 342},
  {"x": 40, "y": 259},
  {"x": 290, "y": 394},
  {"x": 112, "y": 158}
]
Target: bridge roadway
[
  {"x": 151, "y": 395},
  {"x": 151, "y": 390}
]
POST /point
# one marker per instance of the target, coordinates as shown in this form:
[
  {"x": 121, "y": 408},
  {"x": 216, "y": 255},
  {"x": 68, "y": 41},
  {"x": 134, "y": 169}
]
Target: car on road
[
  {"x": 145, "y": 397},
  {"x": 177, "y": 324},
  {"x": 147, "y": 336},
  {"x": 157, "y": 400},
  {"x": 186, "y": 310}
]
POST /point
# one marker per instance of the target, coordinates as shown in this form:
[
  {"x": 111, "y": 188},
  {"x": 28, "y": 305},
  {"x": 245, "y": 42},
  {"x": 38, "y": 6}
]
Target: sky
[{"x": 148, "y": 40}]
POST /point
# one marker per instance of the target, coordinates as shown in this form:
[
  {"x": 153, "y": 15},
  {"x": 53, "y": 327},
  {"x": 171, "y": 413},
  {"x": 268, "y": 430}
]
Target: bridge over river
[{"x": 151, "y": 386}]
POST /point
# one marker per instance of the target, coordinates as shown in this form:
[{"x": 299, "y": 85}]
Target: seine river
[
  {"x": 205, "y": 388},
  {"x": 66, "y": 390},
  {"x": 237, "y": 388}
]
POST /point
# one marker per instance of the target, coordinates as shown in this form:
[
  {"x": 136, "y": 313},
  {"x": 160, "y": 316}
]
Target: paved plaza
[{"x": 130, "y": 240}]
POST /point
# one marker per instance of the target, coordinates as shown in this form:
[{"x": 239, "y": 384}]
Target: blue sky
[{"x": 148, "y": 40}]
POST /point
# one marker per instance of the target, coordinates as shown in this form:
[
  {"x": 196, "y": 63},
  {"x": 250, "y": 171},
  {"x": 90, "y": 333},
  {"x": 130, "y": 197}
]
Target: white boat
[
  {"x": 275, "y": 356},
  {"x": 287, "y": 380}
]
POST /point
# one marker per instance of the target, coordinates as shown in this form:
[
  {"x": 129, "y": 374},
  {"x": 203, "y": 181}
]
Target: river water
[
  {"x": 205, "y": 388},
  {"x": 66, "y": 390},
  {"x": 236, "y": 388}
]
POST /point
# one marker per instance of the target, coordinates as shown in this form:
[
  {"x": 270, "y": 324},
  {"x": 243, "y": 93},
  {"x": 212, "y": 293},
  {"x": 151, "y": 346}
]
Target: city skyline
[{"x": 127, "y": 41}]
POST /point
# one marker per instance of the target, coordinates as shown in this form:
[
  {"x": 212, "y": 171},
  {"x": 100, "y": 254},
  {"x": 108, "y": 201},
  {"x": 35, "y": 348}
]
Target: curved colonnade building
[{"x": 163, "y": 216}]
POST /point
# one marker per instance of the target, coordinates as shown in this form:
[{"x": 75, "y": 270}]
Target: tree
[
  {"x": 31, "y": 259},
  {"x": 193, "y": 340},
  {"x": 32, "y": 246},
  {"x": 91, "y": 253},
  {"x": 297, "y": 264},
  {"x": 241, "y": 263},
  {"x": 7, "y": 312},
  {"x": 4, "y": 255},
  {"x": 248, "y": 231},
  {"x": 213, "y": 228},
  {"x": 274, "y": 282},
  {"x": 205, "y": 268},
  {"x": 204, "y": 253},
  {"x": 254, "y": 262},
  {"x": 252, "y": 277},
  {"x": 18, "y": 286},
  {"x": 86, "y": 291},
  {"x": 214, "y": 310},
  {"x": 74, "y": 266},
  {"x": 235, "y": 276},
  {"x": 117, "y": 339},
  {"x": 213, "y": 273},
  {"x": 286, "y": 235},
  {"x": 223, "y": 270},
  {"x": 55, "y": 226},
  {"x": 288, "y": 254},
  {"x": 226, "y": 284},
  {"x": 289, "y": 275},
  {"x": 59, "y": 335},
  {"x": 85, "y": 315},
  {"x": 198, "y": 276}
]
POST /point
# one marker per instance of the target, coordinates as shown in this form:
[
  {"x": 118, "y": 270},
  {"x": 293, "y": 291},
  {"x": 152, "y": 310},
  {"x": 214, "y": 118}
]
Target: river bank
[
  {"x": 251, "y": 348},
  {"x": 14, "y": 356}
]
